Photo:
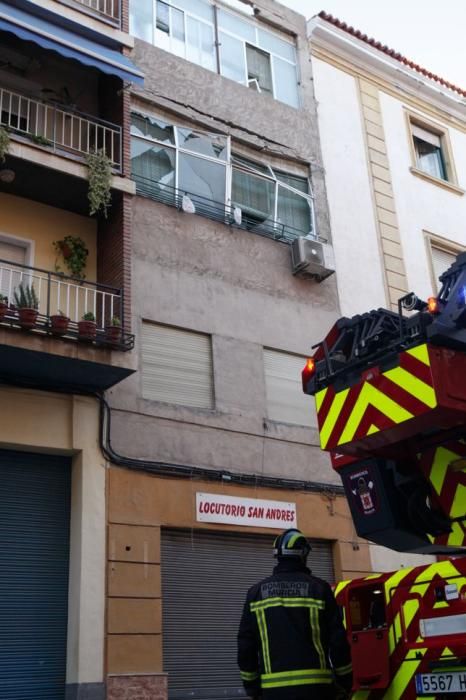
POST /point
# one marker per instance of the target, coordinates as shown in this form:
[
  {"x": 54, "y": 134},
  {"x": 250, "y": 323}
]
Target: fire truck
[{"x": 390, "y": 394}]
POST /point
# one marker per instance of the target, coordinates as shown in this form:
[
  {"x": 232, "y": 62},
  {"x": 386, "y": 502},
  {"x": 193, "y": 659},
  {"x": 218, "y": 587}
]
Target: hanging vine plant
[
  {"x": 4, "y": 143},
  {"x": 100, "y": 180},
  {"x": 73, "y": 252}
]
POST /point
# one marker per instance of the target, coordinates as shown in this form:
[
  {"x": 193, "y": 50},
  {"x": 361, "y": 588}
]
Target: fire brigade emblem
[{"x": 363, "y": 490}]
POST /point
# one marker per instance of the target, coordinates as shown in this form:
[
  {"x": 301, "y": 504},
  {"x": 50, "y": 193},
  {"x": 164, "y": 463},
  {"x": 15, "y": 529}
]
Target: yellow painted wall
[
  {"x": 44, "y": 224},
  {"x": 140, "y": 504}
]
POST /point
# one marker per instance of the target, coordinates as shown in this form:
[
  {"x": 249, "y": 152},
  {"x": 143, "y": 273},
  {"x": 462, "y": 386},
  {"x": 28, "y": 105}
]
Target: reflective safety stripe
[
  {"x": 249, "y": 675},
  {"x": 302, "y": 677},
  {"x": 343, "y": 670},
  {"x": 413, "y": 385},
  {"x": 260, "y": 614},
  {"x": 315, "y": 631},
  {"x": 288, "y": 603}
]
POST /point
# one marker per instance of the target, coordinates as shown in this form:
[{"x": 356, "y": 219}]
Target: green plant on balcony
[
  {"x": 27, "y": 304},
  {"x": 100, "y": 180},
  {"x": 113, "y": 331},
  {"x": 39, "y": 140},
  {"x": 4, "y": 143},
  {"x": 87, "y": 327},
  {"x": 74, "y": 252}
]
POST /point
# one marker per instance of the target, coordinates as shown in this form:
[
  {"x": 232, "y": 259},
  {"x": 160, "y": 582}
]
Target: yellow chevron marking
[
  {"x": 404, "y": 674},
  {"x": 360, "y": 695},
  {"x": 319, "y": 398},
  {"x": 371, "y": 576},
  {"x": 421, "y": 353},
  {"x": 413, "y": 385},
  {"x": 340, "y": 587},
  {"x": 458, "y": 507},
  {"x": 394, "y": 581},
  {"x": 372, "y": 429},
  {"x": 441, "y": 604},
  {"x": 370, "y": 396},
  {"x": 456, "y": 537},
  {"x": 332, "y": 417},
  {"x": 410, "y": 608},
  {"x": 439, "y": 469}
]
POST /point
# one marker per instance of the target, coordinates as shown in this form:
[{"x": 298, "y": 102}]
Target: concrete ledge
[{"x": 41, "y": 156}]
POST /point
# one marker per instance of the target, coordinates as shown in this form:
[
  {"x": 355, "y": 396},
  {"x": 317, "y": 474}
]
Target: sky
[{"x": 429, "y": 32}]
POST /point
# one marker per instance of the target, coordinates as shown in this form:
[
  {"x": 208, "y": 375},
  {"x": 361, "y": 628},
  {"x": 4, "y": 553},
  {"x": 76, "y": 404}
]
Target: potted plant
[
  {"x": 100, "y": 182},
  {"x": 74, "y": 252},
  {"x": 59, "y": 323},
  {"x": 113, "y": 331},
  {"x": 3, "y": 306},
  {"x": 87, "y": 327},
  {"x": 27, "y": 305},
  {"x": 4, "y": 143}
]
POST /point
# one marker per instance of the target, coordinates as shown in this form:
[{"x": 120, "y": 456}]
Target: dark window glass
[
  {"x": 429, "y": 158},
  {"x": 259, "y": 73}
]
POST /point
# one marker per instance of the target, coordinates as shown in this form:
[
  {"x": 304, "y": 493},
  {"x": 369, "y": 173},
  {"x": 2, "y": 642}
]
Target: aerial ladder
[{"x": 390, "y": 394}]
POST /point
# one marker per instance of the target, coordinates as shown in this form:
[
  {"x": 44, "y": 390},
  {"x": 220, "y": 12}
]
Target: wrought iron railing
[
  {"x": 218, "y": 211},
  {"x": 60, "y": 295},
  {"x": 108, "y": 10},
  {"x": 63, "y": 130}
]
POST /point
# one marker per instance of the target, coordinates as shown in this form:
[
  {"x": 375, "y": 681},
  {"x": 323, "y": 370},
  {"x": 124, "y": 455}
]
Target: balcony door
[{"x": 11, "y": 255}]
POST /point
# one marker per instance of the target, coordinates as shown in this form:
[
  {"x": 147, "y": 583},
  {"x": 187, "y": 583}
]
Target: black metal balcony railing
[
  {"x": 107, "y": 10},
  {"x": 62, "y": 295},
  {"x": 217, "y": 211},
  {"x": 63, "y": 130}
]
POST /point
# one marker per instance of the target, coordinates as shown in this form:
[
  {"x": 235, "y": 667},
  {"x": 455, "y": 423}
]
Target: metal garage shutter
[
  {"x": 34, "y": 556},
  {"x": 205, "y": 577}
]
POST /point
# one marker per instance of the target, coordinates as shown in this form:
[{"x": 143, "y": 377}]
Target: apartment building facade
[
  {"x": 213, "y": 447},
  {"x": 395, "y": 134},
  {"x": 63, "y": 76}
]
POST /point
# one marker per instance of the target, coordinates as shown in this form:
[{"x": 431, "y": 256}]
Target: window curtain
[{"x": 255, "y": 195}]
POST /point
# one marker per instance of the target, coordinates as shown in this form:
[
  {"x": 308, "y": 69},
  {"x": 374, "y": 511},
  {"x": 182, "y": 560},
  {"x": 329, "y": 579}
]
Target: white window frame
[
  {"x": 179, "y": 149},
  {"x": 230, "y": 164},
  {"x": 434, "y": 241},
  {"x": 216, "y": 28}
]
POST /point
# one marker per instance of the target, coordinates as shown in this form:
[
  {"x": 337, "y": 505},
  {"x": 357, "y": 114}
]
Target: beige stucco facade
[{"x": 40, "y": 422}]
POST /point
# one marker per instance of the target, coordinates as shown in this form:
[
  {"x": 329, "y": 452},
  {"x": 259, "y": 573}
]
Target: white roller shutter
[
  {"x": 427, "y": 136},
  {"x": 441, "y": 261},
  {"x": 205, "y": 577},
  {"x": 177, "y": 366},
  {"x": 286, "y": 400}
]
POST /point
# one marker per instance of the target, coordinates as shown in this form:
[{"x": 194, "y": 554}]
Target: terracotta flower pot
[
  {"x": 87, "y": 330},
  {"x": 3, "y": 309},
  {"x": 59, "y": 324},
  {"x": 27, "y": 317},
  {"x": 113, "y": 335}
]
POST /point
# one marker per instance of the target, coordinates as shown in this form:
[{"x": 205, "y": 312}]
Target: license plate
[{"x": 429, "y": 683}]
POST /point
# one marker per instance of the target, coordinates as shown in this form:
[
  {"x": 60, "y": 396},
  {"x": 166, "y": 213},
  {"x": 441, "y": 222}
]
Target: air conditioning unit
[{"x": 312, "y": 259}]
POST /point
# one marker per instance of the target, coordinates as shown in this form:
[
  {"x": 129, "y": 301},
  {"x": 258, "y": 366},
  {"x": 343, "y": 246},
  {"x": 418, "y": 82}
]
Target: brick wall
[
  {"x": 114, "y": 250},
  {"x": 139, "y": 687}
]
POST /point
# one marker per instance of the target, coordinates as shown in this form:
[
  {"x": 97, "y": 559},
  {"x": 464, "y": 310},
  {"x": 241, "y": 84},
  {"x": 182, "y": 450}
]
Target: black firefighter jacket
[{"x": 291, "y": 639}]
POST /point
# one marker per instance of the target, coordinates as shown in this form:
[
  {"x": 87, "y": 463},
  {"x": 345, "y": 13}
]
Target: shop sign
[{"x": 251, "y": 512}]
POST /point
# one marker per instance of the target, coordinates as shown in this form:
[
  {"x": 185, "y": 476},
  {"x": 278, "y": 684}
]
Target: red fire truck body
[{"x": 390, "y": 391}]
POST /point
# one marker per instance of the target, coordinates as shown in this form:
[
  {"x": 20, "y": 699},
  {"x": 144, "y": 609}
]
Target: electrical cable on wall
[{"x": 190, "y": 472}]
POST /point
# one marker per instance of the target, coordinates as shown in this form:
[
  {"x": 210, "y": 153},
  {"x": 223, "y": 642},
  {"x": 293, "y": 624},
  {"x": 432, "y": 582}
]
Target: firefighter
[{"x": 291, "y": 640}]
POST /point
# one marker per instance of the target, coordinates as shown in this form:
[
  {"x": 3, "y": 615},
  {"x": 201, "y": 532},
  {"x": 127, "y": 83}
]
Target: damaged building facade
[{"x": 213, "y": 445}]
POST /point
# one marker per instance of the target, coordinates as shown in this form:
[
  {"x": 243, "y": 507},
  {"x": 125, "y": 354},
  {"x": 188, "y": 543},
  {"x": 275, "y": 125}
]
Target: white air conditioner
[{"x": 312, "y": 259}]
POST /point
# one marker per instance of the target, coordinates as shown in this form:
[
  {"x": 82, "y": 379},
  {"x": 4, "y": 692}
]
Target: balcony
[
  {"x": 230, "y": 215},
  {"x": 107, "y": 10},
  {"x": 58, "y": 129},
  {"x": 60, "y": 295}
]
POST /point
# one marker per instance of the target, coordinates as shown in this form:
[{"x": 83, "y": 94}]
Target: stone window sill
[{"x": 437, "y": 181}]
